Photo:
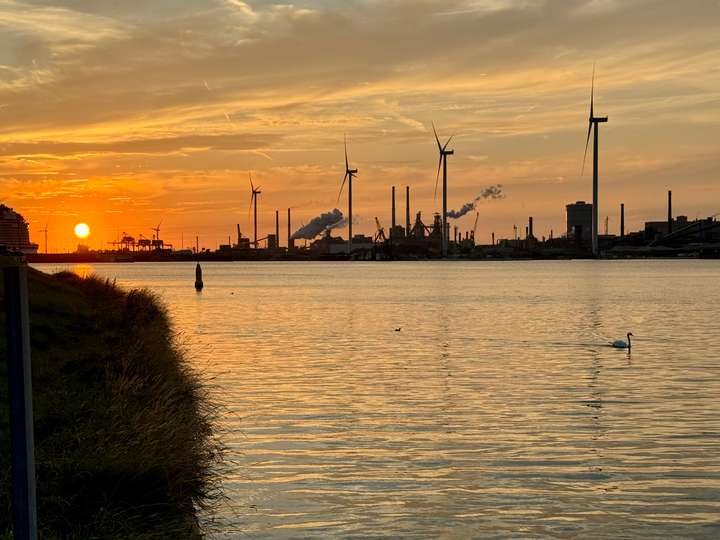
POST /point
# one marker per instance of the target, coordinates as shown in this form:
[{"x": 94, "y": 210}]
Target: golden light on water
[{"x": 82, "y": 230}]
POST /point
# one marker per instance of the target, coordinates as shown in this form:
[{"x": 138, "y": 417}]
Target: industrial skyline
[{"x": 95, "y": 131}]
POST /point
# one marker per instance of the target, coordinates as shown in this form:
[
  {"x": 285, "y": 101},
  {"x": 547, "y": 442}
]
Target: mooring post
[
  {"x": 198, "y": 278},
  {"x": 21, "y": 411}
]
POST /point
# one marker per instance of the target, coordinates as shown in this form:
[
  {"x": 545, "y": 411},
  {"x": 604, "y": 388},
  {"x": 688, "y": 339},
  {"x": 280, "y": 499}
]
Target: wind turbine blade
[
  {"x": 251, "y": 183},
  {"x": 347, "y": 164},
  {"x": 448, "y": 142},
  {"x": 437, "y": 177},
  {"x": 252, "y": 198},
  {"x": 342, "y": 186},
  {"x": 436, "y": 137},
  {"x": 587, "y": 145},
  {"x": 592, "y": 92}
]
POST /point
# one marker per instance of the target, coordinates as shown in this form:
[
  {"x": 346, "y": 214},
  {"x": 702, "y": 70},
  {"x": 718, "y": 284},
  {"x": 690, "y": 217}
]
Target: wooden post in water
[
  {"x": 21, "y": 412},
  {"x": 198, "y": 278}
]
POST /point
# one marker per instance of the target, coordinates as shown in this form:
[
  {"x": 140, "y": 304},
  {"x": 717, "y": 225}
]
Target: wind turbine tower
[
  {"x": 45, "y": 230},
  {"x": 593, "y": 127},
  {"x": 255, "y": 191},
  {"x": 349, "y": 174},
  {"x": 444, "y": 153}
]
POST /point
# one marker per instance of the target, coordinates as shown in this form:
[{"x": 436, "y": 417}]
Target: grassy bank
[{"x": 123, "y": 429}]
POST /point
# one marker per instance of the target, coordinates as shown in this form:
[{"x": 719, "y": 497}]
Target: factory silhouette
[{"x": 416, "y": 239}]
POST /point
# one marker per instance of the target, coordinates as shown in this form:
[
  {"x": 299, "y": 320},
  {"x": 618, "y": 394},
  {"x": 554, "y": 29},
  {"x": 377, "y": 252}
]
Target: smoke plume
[
  {"x": 318, "y": 225},
  {"x": 493, "y": 193}
]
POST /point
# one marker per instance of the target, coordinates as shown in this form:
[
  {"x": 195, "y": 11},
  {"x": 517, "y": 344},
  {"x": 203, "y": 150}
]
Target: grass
[{"x": 125, "y": 444}]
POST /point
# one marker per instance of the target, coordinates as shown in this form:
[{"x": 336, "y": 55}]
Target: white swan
[{"x": 620, "y": 344}]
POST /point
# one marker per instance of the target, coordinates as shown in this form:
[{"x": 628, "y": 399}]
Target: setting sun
[{"x": 82, "y": 230}]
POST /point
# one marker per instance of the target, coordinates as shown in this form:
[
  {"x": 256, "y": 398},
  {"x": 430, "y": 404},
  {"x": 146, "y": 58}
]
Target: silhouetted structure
[
  {"x": 198, "y": 278},
  {"x": 349, "y": 174},
  {"x": 14, "y": 232},
  {"x": 255, "y": 191},
  {"x": 593, "y": 126},
  {"x": 407, "y": 210},
  {"x": 444, "y": 153},
  {"x": 579, "y": 221}
]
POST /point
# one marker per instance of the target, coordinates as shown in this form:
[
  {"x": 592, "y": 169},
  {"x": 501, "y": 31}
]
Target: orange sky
[{"x": 123, "y": 114}]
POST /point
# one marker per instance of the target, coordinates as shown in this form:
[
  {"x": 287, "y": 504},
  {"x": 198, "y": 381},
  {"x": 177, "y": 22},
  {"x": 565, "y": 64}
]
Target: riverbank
[{"x": 125, "y": 442}]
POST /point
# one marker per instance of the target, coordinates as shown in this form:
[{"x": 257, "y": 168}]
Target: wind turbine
[
  {"x": 255, "y": 191},
  {"x": 594, "y": 128},
  {"x": 349, "y": 174},
  {"x": 444, "y": 153},
  {"x": 45, "y": 230}
]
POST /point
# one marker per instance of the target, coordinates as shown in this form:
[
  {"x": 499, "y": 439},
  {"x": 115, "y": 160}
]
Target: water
[{"x": 497, "y": 410}]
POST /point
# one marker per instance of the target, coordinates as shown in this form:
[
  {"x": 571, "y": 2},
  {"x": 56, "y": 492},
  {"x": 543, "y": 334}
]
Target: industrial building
[
  {"x": 332, "y": 245},
  {"x": 14, "y": 233},
  {"x": 579, "y": 221}
]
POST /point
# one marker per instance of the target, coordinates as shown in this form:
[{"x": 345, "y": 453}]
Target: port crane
[{"x": 380, "y": 234}]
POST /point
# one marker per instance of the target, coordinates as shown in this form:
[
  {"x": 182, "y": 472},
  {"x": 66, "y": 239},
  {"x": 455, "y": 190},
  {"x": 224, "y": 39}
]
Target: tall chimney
[
  {"x": 493, "y": 239},
  {"x": 530, "y": 228},
  {"x": 622, "y": 220},
  {"x": 277, "y": 228},
  {"x": 290, "y": 242},
  {"x": 239, "y": 235},
  {"x": 407, "y": 210},
  {"x": 393, "y": 212},
  {"x": 670, "y": 217}
]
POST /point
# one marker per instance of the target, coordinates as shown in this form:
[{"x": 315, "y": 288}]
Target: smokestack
[
  {"x": 622, "y": 220},
  {"x": 290, "y": 242},
  {"x": 407, "y": 210},
  {"x": 277, "y": 228},
  {"x": 670, "y": 218},
  {"x": 197, "y": 244},
  {"x": 393, "y": 211},
  {"x": 239, "y": 235},
  {"x": 493, "y": 239},
  {"x": 530, "y": 228}
]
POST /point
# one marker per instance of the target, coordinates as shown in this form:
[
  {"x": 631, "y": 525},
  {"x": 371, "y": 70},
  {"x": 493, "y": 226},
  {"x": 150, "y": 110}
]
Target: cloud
[{"x": 141, "y": 92}]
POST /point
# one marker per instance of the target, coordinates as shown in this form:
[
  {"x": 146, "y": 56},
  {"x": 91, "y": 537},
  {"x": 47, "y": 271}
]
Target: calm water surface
[{"x": 497, "y": 410}]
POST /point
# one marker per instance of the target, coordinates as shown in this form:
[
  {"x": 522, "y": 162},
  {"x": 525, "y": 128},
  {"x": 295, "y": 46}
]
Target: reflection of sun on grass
[
  {"x": 83, "y": 270},
  {"x": 82, "y": 230}
]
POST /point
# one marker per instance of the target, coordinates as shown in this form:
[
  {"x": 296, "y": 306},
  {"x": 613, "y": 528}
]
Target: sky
[{"x": 127, "y": 114}]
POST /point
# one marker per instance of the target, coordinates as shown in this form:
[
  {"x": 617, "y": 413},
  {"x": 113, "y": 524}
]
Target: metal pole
[
  {"x": 595, "y": 245},
  {"x": 446, "y": 232},
  {"x": 21, "y": 415},
  {"x": 350, "y": 214},
  {"x": 255, "y": 224}
]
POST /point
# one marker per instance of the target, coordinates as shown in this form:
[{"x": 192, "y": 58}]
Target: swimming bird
[
  {"x": 620, "y": 344},
  {"x": 398, "y": 329}
]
